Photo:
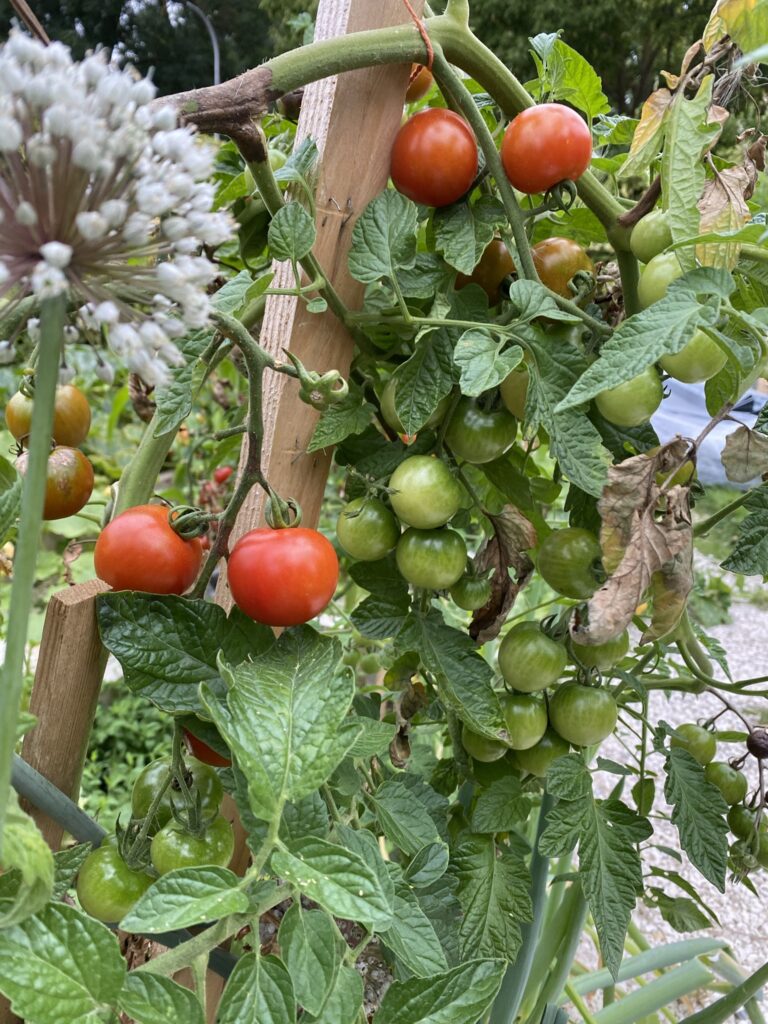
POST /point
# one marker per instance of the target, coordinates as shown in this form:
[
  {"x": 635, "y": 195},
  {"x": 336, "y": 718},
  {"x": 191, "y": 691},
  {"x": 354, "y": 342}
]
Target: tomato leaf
[
  {"x": 423, "y": 380},
  {"x": 501, "y": 806},
  {"x": 462, "y": 232},
  {"x": 745, "y": 455},
  {"x": 461, "y": 995},
  {"x": 259, "y": 989},
  {"x": 404, "y": 820},
  {"x": 383, "y": 613},
  {"x": 649, "y": 134},
  {"x": 411, "y": 936},
  {"x": 25, "y": 850},
  {"x": 750, "y": 552},
  {"x": 484, "y": 360},
  {"x": 311, "y": 948},
  {"x": 150, "y": 999},
  {"x": 513, "y": 537},
  {"x": 283, "y": 717},
  {"x": 344, "y": 1002},
  {"x": 10, "y": 497},
  {"x": 291, "y": 232},
  {"x": 186, "y": 897},
  {"x": 383, "y": 238},
  {"x": 698, "y": 812},
  {"x": 678, "y": 911},
  {"x": 565, "y": 75},
  {"x": 429, "y": 864},
  {"x": 42, "y": 961},
  {"x": 349, "y": 416}
]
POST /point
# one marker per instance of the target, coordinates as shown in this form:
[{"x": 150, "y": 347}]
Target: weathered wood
[{"x": 64, "y": 696}]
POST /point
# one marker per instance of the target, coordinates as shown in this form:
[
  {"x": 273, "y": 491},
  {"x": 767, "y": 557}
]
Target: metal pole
[{"x": 214, "y": 40}]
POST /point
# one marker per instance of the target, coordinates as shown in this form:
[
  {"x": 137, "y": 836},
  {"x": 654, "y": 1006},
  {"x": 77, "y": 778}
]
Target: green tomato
[
  {"x": 583, "y": 715},
  {"x": 731, "y": 782},
  {"x": 657, "y": 275},
  {"x": 699, "y": 742},
  {"x": 389, "y": 412},
  {"x": 697, "y": 361},
  {"x": 650, "y": 236},
  {"x": 434, "y": 559},
  {"x": 477, "y": 435},
  {"x": 173, "y": 848},
  {"x": 741, "y": 821},
  {"x": 634, "y": 402},
  {"x": 568, "y": 560},
  {"x": 471, "y": 593},
  {"x": 525, "y": 718},
  {"x": 369, "y": 664},
  {"x": 106, "y": 887},
  {"x": 529, "y": 660},
  {"x": 277, "y": 158},
  {"x": 538, "y": 758},
  {"x": 424, "y": 492},
  {"x": 366, "y": 529},
  {"x": 480, "y": 747},
  {"x": 602, "y": 656},
  {"x": 199, "y": 776},
  {"x": 514, "y": 391},
  {"x": 643, "y": 793}
]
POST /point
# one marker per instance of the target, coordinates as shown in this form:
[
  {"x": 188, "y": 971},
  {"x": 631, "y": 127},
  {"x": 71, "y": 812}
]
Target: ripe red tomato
[
  {"x": 494, "y": 267},
  {"x": 282, "y": 577},
  {"x": 71, "y": 416},
  {"x": 139, "y": 550},
  {"x": 420, "y": 83},
  {"x": 222, "y": 474},
  {"x": 69, "y": 481},
  {"x": 544, "y": 145},
  {"x": 203, "y": 752},
  {"x": 434, "y": 157},
  {"x": 557, "y": 260}
]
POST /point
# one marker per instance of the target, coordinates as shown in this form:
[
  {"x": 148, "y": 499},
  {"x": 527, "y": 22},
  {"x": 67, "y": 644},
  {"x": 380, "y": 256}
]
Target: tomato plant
[
  {"x": 514, "y": 391},
  {"x": 471, "y": 592},
  {"x": 71, "y": 416},
  {"x": 634, "y": 402},
  {"x": 434, "y": 559},
  {"x": 106, "y": 887},
  {"x": 69, "y": 481},
  {"x": 389, "y": 412},
  {"x": 582, "y": 715},
  {"x": 557, "y": 260},
  {"x": 173, "y": 847},
  {"x": 699, "y": 742},
  {"x": 569, "y": 561},
  {"x": 424, "y": 493},
  {"x": 529, "y": 660},
  {"x": 480, "y": 435},
  {"x": 544, "y": 145},
  {"x": 434, "y": 158},
  {"x": 730, "y": 781},
  {"x": 201, "y": 780},
  {"x": 480, "y": 747},
  {"x": 282, "y": 577},
  {"x": 140, "y": 550}
]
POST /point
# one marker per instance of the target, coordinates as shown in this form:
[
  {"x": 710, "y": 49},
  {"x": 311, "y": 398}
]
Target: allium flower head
[{"x": 103, "y": 197}]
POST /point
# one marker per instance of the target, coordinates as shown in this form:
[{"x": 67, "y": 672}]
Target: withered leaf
[
  {"x": 513, "y": 536},
  {"x": 723, "y": 206},
  {"x": 646, "y": 538},
  {"x": 745, "y": 455}
]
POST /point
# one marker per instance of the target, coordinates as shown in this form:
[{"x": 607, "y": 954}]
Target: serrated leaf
[
  {"x": 42, "y": 966},
  {"x": 484, "y": 360},
  {"x": 186, "y": 897},
  {"x": 259, "y": 989},
  {"x": 150, "y": 999},
  {"x": 745, "y": 455},
  {"x": 680, "y": 912},
  {"x": 300, "y": 164},
  {"x": 383, "y": 238},
  {"x": 10, "y": 497},
  {"x": 458, "y": 996},
  {"x": 232, "y": 296},
  {"x": 404, "y": 821},
  {"x": 344, "y": 1001},
  {"x": 411, "y": 936},
  {"x": 383, "y": 613},
  {"x": 698, "y": 812},
  {"x": 336, "y": 878},
  {"x": 424, "y": 380},
  {"x": 373, "y": 738},
  {"x": 494, "y": 891},
  {"x": 568, "y": 76},
  {"x": 462, "y": 232},
  {"x": 25, "y": 850},
  {"x": 429, "y": 864},
  {"x": 501, "y": 806},
  {"x": 649, "y": 134},
  {"x": 291, "y": 233},
  {"x": 750, "y": 552},
  {"x": 283, "y": 717},
  {"x": 167, "y": 646},
  {"x": 309, "y": 945},
  {"x": 66, "y": 865},
  {"x": 365, "y": 845},
  {"x": 341, "y": 419},
  {"x": 174, "y": 399}
]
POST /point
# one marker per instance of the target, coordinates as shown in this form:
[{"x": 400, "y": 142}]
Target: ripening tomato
[
  {"x": 479, "y": 435},
  {"x": 650, "y": 236},
  {"x": 424, "y": 493},
  {"x": 481, "y": 747},
  {"x": 494, "y": 268},
  {"x": 366, "y": 529},
  {"x": 545, "y": 144},
  {"x": 106, "y": 887},
  {"x": 656, "y": 277},
  {"x": 282, "y": 577},
  {"x": 434, "y": 157},
  {"x": 68, "y": 482},
  {"x": 514, "y": 391},
  {"x": 583, "y": 715},
  {"x": 634, "y": 402},
  {"x": 71, "y": 416},
  {"x": 697, "y": 361},
  {"x": 174, "y": 848},
  {"x": 140, "y": 550},
  {"x": 434, "y": 559},
  {"x": 221, "y": 474},
  {"x": 205, "y": 754},
  {"x": 529, "y": 660},
  {"x": 557, "y": 260},
  {"x": 420, "y": 83},
  {"x": 568, "y": 560}
]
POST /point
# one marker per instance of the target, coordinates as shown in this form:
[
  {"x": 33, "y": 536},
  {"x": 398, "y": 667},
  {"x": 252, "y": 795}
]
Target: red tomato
[
  {"x": 544, "y": 145},
  {"x": 282, "y": 577},
  {"x": 222, "y": 474},
  {"x": 557, "y": 260},
  {"x": 203, "y": 752},
  {"x": 419, "y": 84},
  {"x": 139, "y": 550},
  {"x": 434, "y": 157}
]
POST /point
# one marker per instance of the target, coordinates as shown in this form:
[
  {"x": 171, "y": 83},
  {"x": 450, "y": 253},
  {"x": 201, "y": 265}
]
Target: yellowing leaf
[
  {"x": 723, "y": 206},
  {"x": 745, "y": 21},
  {"x": 646, "y": 142}
]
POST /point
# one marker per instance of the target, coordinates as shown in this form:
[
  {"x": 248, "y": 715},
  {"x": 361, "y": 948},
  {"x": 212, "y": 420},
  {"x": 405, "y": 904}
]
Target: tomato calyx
[
  {"x": 320, "y": 390},
  {"x": 188, "y": 521},
  {"x": 282, "y": 514}
]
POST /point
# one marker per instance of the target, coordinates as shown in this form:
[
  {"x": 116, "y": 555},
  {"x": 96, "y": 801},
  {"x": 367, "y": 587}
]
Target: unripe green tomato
[
  {"x": 433, "y": 559},
  {"x": 277, "y": 158},
  {"x": 583, "y": 715},
  {"x": 367, "y": 529},
  {"x": 389, "y": 412},
  {"x": 471, "y": 593},
  {"x": 200, "y": 778},
  {"x": 478, "y": 435},
  {"x": 106, "y": 887},
  {"x": 351, "y": 658},
  {"x": 743, "y": 857},
  {"x": 369, "y": 664},
  {"x": 481, "y": 747},
  {"x": 529, "y": 660},
  {"x": 731, "y": 782},
  {"x": 682, "y": 476},
  {"x": 525, "y": 718},
  {"x": 567, "y": 561},
  {"x": 650, "y": 236},
  {"x": 424, "y": 492},
  {"x": 634, "y": 402},
  {"x": 514, "y": 391},
  {"x": 174, "y": 848},
  {"x": 643, "y": 793},
  {"x": 538, "y": 758},
  {"x": 697, "y": 361},
  {"x": 699, "y": 742},
  {"x": 656, "y": 276},
  {"x": 602, "y": 656},
  {"x": 741, "y": 821}
]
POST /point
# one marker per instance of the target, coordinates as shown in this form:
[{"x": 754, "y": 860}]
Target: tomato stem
[{"x": 52, "y": 315}]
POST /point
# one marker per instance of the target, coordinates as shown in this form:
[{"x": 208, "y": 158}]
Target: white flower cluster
[{"x": 105, "y": 198}]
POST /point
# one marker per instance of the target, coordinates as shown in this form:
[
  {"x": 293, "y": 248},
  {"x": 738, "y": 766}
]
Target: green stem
[
  {"x": 754, "y": 252},
  {"x": 703, "y": 528},
  {"x": 724, "y": 1009},
  {"x": 630, "y": 275},
  {"x": 137, "y": 484},
  {"x": 262, "y": 855},
  {"x": 569, "y": 924},
  {"x": 580, "y": 1005},
  {"x": 182, "y": 956},
  {"x": 52, "y": 316}
]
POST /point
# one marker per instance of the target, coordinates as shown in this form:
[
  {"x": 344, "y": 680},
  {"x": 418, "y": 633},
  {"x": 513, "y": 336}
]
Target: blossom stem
[{"x": 28, "y": 542}]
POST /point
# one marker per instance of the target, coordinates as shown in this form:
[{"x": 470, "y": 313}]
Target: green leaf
[
  {"x": 337, "y": 879},
  {"x": 310, "y": 948},
  {"x": 25, "y": 850},
  {"x": 404, "y": 821},
  {"x": 680, "y": 912},
  {"x": 423, "y": 380},
  {"x": 300, "y": 165},
  {"x": 459, "y": 996},
  {"x": 383, "y": 613},
  {"x": 174, "y": 399},
  {"x": 494, "y": 891},
  {"x": 283, "y": 717},
  {"x": 501, "y": 806},
  {"x": 60, "y": 965},
  {"x": 349, "y": 416},
  {"x": 233, "y": 296},
  {"x": 186, "y": 897},
  {"x": 366, "y": 846},
  {"x": 344, "y": 1002},
  {"x": 150, "y": 999},
  {"x": 484, "y": 360},
  {"x": 10, "y": 497},
  {"x": 383, "y": 238},
  {"x": 167, "y": 646},
  {"x": 462, "y": 232},
  {"x": 750, "y": 551},
  {"x": 291, "y": 233},
  {"x": 374, "y": 737},
  {"x": 698, "y": 812},
  {"x": 259, "y": 989},
  {"x": 566, "y": 75},
  {"x": 411, "y": 936},
  {"x": 429, "y": 864},
  {"x": 439, "y": 903},
  {"x": 66, "y": 865},
  {"x": 423, "y": 279}
]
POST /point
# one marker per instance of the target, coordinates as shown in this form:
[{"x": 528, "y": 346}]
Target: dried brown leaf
[
  {"x": 745, "y": 455},
  {"x": 651, "y": 116},
  {"x": 513, "y": 536},
  {"x": 723, "y": 206}
]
